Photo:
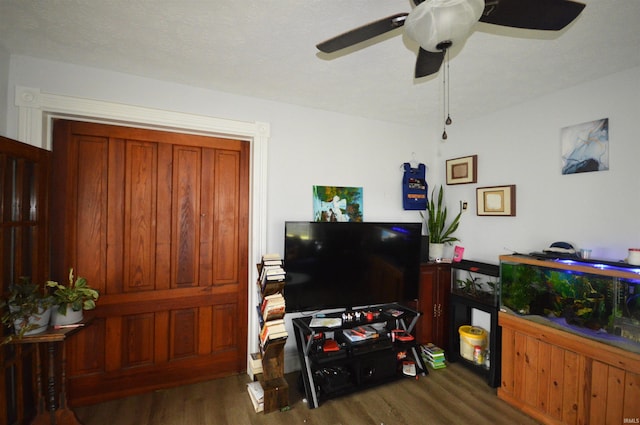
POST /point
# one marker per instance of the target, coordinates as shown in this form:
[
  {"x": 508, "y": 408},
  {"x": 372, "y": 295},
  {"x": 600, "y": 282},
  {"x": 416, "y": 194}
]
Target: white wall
[
  {"x": 521, "y": 146},
  {"x": 4, "y": 92}
]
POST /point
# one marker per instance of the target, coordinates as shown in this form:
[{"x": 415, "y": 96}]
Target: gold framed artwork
[
  {"x": 462, "y": 170},
  {"x": 496, "y": 200}
]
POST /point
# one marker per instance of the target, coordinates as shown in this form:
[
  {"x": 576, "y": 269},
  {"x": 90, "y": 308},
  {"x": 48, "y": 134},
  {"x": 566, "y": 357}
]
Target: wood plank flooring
[{"x": 453, "y": 395}]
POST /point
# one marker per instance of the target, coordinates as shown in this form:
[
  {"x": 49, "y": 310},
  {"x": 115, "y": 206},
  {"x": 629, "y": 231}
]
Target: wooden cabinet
[
  {"x": 433, "y": 302},
  {"x": 558, "y": 377}
]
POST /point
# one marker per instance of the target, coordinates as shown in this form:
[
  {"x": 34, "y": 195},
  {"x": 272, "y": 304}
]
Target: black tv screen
[{"x": 347, "y": 265}]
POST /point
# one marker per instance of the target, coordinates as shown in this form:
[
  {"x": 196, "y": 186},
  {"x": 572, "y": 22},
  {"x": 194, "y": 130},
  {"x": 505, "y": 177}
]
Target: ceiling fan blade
[
  {"x": 428, "y": 62},
  {"x": 362, "y": 33},
  {"x": 551, "y": 15}
]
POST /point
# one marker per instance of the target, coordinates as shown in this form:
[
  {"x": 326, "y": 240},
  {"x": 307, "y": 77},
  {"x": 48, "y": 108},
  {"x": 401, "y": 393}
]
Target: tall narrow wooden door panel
[
  {"x": 158, "y": 223},
  {"x": 24, "y": 174}
]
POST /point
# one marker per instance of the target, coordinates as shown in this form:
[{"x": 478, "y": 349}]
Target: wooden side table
[{"x": 50, "y": 411}]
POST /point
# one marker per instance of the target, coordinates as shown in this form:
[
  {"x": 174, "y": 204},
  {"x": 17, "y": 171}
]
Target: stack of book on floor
[
  {"x": 433, "y": 356},
  {"x": 256, "y": 393}
]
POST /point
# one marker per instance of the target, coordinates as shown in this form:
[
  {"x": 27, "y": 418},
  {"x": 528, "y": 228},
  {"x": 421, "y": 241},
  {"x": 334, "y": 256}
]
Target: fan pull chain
[
  {"x": 446, "y": 98},
  {"x": 449, "y": 120}
]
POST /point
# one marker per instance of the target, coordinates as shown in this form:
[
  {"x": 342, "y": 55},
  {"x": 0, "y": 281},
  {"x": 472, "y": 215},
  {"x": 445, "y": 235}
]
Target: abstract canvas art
[{"x": 585, "y": 147}]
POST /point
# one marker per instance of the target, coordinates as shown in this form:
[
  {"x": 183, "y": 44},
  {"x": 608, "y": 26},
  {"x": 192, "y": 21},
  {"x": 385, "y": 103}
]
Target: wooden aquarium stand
[{"x": 561, "y": 378}]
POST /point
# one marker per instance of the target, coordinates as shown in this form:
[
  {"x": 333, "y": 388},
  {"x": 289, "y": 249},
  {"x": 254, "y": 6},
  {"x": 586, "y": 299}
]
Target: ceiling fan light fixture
[{"x": 435, "y": 21}]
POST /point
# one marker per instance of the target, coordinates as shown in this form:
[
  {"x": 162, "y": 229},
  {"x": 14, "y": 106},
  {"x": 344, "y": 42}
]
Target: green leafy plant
[
  {"x": 77, "y": 295},
  {"x": 24, "y": 300},
  {"x": 439, "y": 230}
]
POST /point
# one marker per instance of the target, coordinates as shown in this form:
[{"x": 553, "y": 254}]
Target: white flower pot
[
  {"x": 41, "y": 320},
  {"x": 58, "y": 319},
  {"x": 436, "y": 251}
]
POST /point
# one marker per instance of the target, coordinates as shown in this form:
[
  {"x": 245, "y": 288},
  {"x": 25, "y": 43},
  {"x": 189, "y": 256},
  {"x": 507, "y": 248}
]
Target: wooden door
[
  {"x": 24, "y": 172},
  {"x": 158, "y": 223}
]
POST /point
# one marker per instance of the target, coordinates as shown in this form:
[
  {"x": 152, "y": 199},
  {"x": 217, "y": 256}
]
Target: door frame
[{"x": 38, "y": 109}]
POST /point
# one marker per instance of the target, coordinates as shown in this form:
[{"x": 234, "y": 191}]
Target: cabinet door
[
  {"x": 433, "y": 302},
  {"x": 444, "y": 299},
  {"x": 426, "y": 304}
]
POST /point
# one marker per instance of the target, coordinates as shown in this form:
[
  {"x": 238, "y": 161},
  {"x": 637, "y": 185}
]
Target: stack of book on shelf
[
  {"x": 273, "y": 330},
  {"x": 433, "y": 356},
  {"x": 272, "y": 307},
  {"x": 255, "y": 364},
  {"x": 256, "y": 393},
  {"x": 271, "y": 271}
]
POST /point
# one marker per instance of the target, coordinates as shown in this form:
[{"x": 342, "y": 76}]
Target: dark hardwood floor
[{"x": 453, "y": 395}]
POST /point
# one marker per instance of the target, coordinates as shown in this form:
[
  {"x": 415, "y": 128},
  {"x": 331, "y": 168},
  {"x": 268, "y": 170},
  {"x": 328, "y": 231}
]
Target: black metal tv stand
[{"x": 355, "y": 365}]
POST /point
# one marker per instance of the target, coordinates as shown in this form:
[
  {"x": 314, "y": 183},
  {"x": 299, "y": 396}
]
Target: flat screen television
[{"x": 353, "y": 264}]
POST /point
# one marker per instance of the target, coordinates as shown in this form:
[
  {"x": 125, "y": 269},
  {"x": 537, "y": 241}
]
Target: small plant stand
[{"x": 51, "y": 407}]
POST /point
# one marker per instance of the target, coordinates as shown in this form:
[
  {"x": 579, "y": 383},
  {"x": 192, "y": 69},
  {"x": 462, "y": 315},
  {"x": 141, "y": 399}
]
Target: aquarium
[
  {"x": 599, "y": 300},
  {"x": 475, "y": 280}
]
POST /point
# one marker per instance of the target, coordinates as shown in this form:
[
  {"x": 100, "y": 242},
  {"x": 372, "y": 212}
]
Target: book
[
  {"x": 325, "y": 322},
  {"x": 272, "y": 259},
  {"x": 438, "y": 365},
  {"x": 394, "y": 312},
  {"x": 256, "y": 393},
  {"x": 273, "y": 307},
  {"x": 274, "y": 329},
  {"x": 360, "y": 333},
  {"x": 255, "y": 360},
  {"x": 271, "y": 274},
  {"x": 432, "y": 350},
  {"x": 255, "y": 370}
]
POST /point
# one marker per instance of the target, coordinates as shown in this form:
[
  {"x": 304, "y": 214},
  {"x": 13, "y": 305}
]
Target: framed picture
[
  {"x": 496, "y": 200},
  {"x": 334, "y": 203},
  {"x": 462, "y": 170}
]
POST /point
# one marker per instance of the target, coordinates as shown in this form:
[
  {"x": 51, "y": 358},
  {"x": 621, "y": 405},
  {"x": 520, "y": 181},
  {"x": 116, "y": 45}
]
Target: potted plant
[
  {"x": 440, "y": 233},
  {"x": 26, "y": 308},
  {"x": 70, "y": 301}
]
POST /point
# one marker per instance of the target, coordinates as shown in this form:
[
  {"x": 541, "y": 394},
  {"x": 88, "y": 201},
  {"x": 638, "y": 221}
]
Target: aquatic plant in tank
[
  {"x": 599, "y": 305},
  {"x": 521, "y": 287}
]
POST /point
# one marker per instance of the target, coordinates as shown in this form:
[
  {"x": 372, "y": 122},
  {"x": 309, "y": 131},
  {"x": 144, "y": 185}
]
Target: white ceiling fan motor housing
[{"x": 435, "y": 21}]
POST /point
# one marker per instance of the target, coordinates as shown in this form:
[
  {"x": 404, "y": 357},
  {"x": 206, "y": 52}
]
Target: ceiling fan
[{"x": 436, "y": 25}]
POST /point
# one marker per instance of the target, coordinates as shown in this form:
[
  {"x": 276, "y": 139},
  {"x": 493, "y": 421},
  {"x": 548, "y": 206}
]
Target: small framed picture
[
  {"x": 496, "y": 200},
  {"x": 462, "y": 170}
]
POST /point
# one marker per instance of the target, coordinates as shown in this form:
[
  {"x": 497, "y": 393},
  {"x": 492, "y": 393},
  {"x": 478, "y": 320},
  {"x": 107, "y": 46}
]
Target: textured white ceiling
[{"x": 267, "y": 49}]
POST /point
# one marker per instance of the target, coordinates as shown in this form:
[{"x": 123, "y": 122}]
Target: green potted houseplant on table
[
  {"x": 71, "y": 300},
  {"x": 440, "y": 233},
  {"x": 26, "y": 309}
]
